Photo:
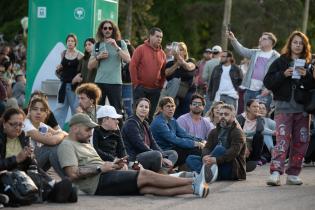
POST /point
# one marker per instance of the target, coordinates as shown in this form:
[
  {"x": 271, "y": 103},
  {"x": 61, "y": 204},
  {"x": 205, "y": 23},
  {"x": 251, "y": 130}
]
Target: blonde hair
[{"x": 163, "y": 101}]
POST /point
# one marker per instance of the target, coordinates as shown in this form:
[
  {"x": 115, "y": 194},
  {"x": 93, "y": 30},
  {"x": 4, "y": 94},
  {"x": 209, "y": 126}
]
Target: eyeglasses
[
  {"x": 195, "y": 103},
  {"x": 107, "y": 28},
  {"x": 16, "y": 125}
]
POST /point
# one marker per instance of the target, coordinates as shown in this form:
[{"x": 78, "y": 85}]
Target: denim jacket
[{"x": 168, "y": 134}]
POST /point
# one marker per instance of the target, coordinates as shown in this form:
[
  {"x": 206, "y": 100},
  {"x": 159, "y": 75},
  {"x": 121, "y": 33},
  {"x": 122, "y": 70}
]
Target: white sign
[
  {"x": 41, "y": 12},
  {"x": 79, "y": 13}
]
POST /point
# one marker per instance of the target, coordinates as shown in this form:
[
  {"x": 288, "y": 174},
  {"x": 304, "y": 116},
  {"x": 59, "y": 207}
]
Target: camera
[{"x": 175, "y": 47}]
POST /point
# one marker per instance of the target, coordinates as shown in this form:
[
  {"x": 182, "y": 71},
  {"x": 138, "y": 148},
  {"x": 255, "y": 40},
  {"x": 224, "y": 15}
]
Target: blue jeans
[
  {"x": 127, "y": 98},
  {"x": 194, "y": 162},
  {"x": 71, "y": 101},
  {"x": 268, "y": 142}
]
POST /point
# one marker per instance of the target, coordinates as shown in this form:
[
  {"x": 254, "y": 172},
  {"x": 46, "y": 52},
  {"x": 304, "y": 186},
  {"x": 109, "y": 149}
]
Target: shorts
[{"x": 118, "y": 183}]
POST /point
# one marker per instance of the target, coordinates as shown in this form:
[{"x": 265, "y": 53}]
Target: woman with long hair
[
  {"x": 69, "y": 64},
  {"x": 139, "y": 141},
  {"x": 183, "y": 68},
  {"x": 288, "y": 84},
  {"x": 88, "y": 75},
  {"x": 44, "y": 139}
]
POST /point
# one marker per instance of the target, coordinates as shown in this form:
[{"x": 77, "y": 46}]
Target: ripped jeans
[{"x": 292, "y": 131}]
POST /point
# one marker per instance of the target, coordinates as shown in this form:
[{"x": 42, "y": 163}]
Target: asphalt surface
[{"x": 250, "y": 194}]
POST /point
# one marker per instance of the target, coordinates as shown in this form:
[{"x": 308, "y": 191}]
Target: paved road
[{"x": 250, "y": 194}]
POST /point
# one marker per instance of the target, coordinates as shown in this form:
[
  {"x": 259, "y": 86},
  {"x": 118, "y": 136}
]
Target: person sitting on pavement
[
  {"x": 107, "y": 140},
  {"x": 89, "y": 95},
  {"x": 16, "y": 153},
  {"x": 193, "y": 122},
  {"x": 141, "y": 145},
  {"x": 213, "y": 113},
  {"x": 44, "y": 139},
  {"x": 253, "y": 127},
  {"x": 94, "y": 176},
  {"x": 169, "y": 135},
  {"x": 225, "y": 148}
]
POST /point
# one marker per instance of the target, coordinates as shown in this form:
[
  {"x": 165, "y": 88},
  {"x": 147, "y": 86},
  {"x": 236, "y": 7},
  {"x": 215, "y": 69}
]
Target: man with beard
[
  {"x": 225, "y": 147},
  {"x": 94, "y": 176},
  {"x": 193, "y": 122},
  {"x": 225, "y": 80},
  {"x": 107, "y": 56},
  {"x": 89, "y": 94}
]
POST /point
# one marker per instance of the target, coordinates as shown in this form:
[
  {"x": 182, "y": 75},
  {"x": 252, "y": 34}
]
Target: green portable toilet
[{"x": 50, "y": 21}]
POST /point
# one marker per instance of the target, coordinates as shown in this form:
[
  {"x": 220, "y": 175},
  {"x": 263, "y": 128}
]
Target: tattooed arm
[{"x": 75, "y": 172}]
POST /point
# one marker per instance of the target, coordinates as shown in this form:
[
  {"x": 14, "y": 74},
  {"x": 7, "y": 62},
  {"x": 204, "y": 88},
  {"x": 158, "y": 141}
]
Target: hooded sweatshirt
[{"x": 147, "y": 66}]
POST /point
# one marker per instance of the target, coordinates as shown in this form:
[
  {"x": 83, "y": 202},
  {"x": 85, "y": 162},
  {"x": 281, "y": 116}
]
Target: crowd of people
[{"x": 191, "y": 123}]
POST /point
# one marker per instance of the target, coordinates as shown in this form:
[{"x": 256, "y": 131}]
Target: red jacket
[{"x": 147, "y": 66}]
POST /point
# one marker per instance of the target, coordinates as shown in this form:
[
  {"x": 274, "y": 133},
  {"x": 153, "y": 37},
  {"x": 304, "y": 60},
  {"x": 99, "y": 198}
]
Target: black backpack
[{"x": 125, "y": 75}]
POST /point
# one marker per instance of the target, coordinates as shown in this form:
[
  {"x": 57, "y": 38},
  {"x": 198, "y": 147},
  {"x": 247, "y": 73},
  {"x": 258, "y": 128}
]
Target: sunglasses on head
[{"x": 107, "y": 28}]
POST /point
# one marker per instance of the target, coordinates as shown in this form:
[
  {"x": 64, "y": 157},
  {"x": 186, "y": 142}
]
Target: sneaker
[
  {"x": 308, "y": 164},
  {"x": 294, "y": 180},
  {"x": 200, "y": 185},
  {"x": 185, "y": 174},
  {"x": 212, "y": 172},
  {"x": 274, "y": 179}
]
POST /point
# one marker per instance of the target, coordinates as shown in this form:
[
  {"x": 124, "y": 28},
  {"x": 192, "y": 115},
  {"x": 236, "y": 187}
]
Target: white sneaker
[
  {"x": 294, "y": 180},
  {"x": 200, "y": 185},
  {"x": 185, "y": 174},
  {"x": 274, "y": 179}
]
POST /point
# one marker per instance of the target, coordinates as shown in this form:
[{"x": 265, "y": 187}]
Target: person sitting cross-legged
[
  {"x": 94, "y": 176},
  {"x": 225, "y": 148}
]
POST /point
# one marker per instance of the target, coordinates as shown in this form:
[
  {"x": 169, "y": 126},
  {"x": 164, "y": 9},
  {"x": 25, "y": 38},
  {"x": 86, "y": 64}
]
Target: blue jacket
[
  {"x": 168, "y": 134},
  {"x": 133, "y": 136}
]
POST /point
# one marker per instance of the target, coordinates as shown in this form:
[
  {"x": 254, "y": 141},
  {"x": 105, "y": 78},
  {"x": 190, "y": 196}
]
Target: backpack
[
  {"x": 19, "y": 187},
  {"x": 125, "y": 75}
]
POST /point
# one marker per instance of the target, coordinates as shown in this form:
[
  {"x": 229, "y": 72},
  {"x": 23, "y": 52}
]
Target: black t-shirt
[{"x": 182, "y": 73}]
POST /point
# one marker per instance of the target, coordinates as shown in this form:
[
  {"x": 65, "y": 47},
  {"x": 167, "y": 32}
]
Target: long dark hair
[
  {"x": 115, "y": 34},
  {"x": 87, "y": 54}
]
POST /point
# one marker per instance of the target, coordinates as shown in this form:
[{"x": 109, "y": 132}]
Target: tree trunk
[
  {"x": 128, "y": 26},
  {"x": 226, "y": 22},
  {"x": 305, "y": 15}
]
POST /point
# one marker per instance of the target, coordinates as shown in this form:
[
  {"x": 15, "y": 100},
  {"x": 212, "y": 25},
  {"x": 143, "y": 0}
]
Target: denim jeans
[
  {"x": 250, "y": 94},
  {"x": 71, "y": 101},
  {"x": 268, "y": 142},
  {"x": 194, "y": 162}
]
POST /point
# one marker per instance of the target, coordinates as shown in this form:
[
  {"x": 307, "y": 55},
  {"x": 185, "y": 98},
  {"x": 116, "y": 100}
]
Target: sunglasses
[
  {"x": 194, "y": 103},
  {"x": 107, "y": 28}
]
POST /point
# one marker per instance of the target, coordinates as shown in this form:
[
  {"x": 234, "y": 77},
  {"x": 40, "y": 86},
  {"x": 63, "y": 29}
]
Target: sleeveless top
[{"x": 69, "y": 70}]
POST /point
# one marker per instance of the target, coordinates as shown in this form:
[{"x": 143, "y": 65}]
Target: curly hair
[
  {"x": 91, "y": 90},
  {"x": 115, "y": 33}
]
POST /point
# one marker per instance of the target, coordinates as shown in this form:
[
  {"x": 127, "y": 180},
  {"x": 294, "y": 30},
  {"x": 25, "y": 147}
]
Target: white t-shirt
[
  {"x": 28, "y": 126},
  {"x": 260, "y": 70},
  {"x": 226, "y": 86}
]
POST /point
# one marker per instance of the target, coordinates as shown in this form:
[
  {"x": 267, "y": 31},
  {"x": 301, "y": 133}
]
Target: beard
[
  {"x": 196, "y": 111},
  {"x": 224, "y": 124}
]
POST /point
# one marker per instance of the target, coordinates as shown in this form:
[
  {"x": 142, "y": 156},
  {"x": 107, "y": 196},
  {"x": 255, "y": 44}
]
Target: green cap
[{"x": 84, "y": 119}]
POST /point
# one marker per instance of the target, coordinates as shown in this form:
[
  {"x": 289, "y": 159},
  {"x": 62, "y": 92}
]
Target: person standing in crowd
[
  {"x": 208, "y": 69},
  {"x": 139, "y": 141},
  {"x": 180, "y": 73},
  {"x": 193, "y": 122},
  {"x": 292, "y": 123},
  {"x": 225, "y": 80},
  {"x": 69, "y": 65},
  {"x": 106, "y": 57},
  {"x": 89, "y": 94},
  {"x": 260, "y": 60},
  {"x": 202, "y": 85},
  {"x": 93, "y": 176},
  {"x": 170, "y": 136},
  {"x": 225, "y": 148},
  {"x": 147, "y": 69},
  {"x": 87, "y": 74}
]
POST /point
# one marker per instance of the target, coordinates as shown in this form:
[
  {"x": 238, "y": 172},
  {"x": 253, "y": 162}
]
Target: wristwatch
[{"x": 98, "y": 169}]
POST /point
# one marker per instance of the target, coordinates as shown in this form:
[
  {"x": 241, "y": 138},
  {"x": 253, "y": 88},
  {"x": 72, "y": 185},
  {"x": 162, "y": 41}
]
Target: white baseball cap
[
  {"x": 216, "y": 49},
  {"x": 107, "y": 111}
]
